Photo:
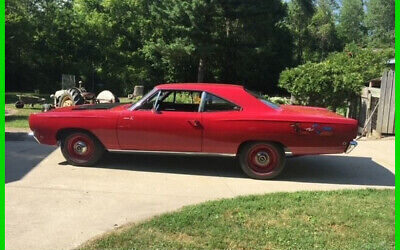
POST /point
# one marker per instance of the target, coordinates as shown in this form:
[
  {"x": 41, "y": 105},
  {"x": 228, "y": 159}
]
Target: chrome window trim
[
  {"x": 156, "y": 102},
  {"x": 202, "y": 101}
]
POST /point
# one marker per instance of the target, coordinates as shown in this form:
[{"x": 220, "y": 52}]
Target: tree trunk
[{"x": 200, "y": 73}]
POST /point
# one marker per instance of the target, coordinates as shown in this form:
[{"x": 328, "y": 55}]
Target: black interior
[
  {"x": 220, "y": 107},
  {"x": 168, "y": 106}
]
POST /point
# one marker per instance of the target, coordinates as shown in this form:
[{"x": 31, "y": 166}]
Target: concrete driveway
[{"x": 52, "y": 205}]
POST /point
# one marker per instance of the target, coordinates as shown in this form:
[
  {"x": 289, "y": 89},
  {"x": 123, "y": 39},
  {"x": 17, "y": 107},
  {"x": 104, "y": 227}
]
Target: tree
[
  {"x": 180, "y": 40},
  {"x": 254, "y": 44},
  {"x": 110, "y": 38},
  {"x": 18, "y": 41},
  {"x": 219, "y": 41},
  {"x": 380, "y": 20},
  {"x": 351, "y": 21},
  {"x": 299, "y": 17},
  {"x": 323, "y": 33},
  {"x": 123, "y": 43},
  {"x": 39, "y": 43},
  {"x": 336, "y": 80}
]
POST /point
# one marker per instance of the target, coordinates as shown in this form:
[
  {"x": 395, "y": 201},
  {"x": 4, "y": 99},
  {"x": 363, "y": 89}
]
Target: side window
[
  {"x": 187, "y": 97},
  {"x": 214, "y": 103},
  {"x": 180, "y": 100}
]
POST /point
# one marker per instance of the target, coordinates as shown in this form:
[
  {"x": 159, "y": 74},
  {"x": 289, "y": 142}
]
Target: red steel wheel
[
  {"x": 81, "y": 149},
  {"x": 262, "y": 160}
]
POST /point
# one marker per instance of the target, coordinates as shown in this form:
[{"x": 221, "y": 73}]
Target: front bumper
[
  {"x": 352, "y": 145},
  {"x": 33, "y": 135}
]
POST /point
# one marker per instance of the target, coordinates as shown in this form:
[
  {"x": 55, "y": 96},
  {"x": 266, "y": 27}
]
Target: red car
[{"x": 193, "y": 118}]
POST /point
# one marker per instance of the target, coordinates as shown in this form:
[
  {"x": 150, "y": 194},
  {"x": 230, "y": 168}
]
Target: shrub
[{"x": 335, "y": 81}]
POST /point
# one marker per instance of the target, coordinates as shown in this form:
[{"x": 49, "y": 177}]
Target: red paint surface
[{"x": 218, "y": 132}]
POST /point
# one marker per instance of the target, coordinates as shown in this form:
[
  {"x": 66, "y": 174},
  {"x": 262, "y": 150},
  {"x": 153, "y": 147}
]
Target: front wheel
[
  {"x": 81, "y": 149},
  {"x": 262, "y": 160}
]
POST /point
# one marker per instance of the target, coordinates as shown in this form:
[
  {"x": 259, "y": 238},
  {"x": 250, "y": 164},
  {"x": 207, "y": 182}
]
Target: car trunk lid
[{"x": 314, "y": 111}]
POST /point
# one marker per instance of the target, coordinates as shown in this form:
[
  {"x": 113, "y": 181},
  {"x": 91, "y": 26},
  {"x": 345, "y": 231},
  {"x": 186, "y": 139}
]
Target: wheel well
[
  {"x": 62, "y": 133},
  {"x": 247, "y": 142}
]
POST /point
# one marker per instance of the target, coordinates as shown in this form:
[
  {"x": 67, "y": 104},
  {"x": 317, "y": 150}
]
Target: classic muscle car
[{"x": 197, "y": 118}]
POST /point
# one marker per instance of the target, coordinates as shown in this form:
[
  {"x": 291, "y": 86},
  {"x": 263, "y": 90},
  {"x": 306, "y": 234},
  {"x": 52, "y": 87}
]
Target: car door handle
[
  {"x": 195, "y": 123},
  {"x": 127, "y": 118}
]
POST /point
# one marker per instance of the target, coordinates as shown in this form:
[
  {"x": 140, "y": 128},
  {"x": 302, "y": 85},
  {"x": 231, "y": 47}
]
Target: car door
[
  {"x": 168, "y": 121},
  {"x": 222, "y": 125}
]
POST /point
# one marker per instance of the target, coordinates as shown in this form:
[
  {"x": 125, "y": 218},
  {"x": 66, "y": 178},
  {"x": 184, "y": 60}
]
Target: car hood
[{"x": 99, "y": 106}]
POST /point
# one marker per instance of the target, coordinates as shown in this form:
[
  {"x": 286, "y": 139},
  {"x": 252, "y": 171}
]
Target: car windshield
[{"x": 263, "y": 100}]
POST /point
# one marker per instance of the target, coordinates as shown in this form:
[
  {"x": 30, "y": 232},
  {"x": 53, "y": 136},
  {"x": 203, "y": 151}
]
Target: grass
[
  {"x": 20, "y": 118},
  {"x": 349, "y": 219}
]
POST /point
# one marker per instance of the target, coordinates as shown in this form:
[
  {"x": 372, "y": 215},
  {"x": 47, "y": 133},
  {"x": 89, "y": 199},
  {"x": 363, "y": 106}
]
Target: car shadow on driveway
[
  {"x": 330, "y": 169},
  {"x": 336, "y": 169},
  {"x": 22, "y": 155}
]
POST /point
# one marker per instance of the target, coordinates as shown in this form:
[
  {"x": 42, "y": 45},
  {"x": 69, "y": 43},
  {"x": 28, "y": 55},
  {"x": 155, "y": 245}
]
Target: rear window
[
  {"x": 263, "y": 100},
  {"x": 215, "y": 103}
]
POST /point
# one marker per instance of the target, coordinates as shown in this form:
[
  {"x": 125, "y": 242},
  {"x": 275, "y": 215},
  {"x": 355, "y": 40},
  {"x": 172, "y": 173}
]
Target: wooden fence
[
  {"x": 375, "y": 107},
  {"x": 385, "y": 121}
]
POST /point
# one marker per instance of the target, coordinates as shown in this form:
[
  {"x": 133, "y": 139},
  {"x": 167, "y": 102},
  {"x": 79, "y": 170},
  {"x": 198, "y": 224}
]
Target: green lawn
[
  {"x": 350, "y": 219},
  {"x": 20, "y": 118}
]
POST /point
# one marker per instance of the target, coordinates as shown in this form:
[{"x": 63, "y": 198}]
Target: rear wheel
[
  {"x": 71, "y": 97},
  {"x": 81, "y": 149},
  {"x": 262, "y": 160}
]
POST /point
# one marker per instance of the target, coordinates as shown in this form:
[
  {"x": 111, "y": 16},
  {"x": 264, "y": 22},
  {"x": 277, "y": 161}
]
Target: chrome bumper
[
  {"x": 33, "y": 135},
  {"x": 351, "y": 146}
]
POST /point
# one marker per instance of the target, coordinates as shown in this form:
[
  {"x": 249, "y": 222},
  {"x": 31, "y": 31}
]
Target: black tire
[
  {"x": 71, "y": 148},
  {"x": 262, "y": 160},
  {"x": 72, "y": 96},
  {"x": 19, "y": 104}
]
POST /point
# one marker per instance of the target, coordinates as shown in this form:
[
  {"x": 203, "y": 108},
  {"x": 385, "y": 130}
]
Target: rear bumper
[{"x": 352, "y": 145}]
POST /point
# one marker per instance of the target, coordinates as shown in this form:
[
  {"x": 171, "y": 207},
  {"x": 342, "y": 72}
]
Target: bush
[
  {"x": 277, "y": 99},
  {"x": 338, "y": 79}
]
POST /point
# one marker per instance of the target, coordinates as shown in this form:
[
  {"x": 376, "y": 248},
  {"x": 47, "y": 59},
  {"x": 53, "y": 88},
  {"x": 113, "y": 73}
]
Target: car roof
[{"x": 199, "y": 86}]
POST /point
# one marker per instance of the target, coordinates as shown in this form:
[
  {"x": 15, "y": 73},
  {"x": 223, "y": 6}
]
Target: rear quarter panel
[{"x": 226, "y": 131}]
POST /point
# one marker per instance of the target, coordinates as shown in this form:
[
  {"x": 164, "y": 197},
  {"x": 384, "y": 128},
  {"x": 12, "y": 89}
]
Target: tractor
[{"x": 71, "y": 95}]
